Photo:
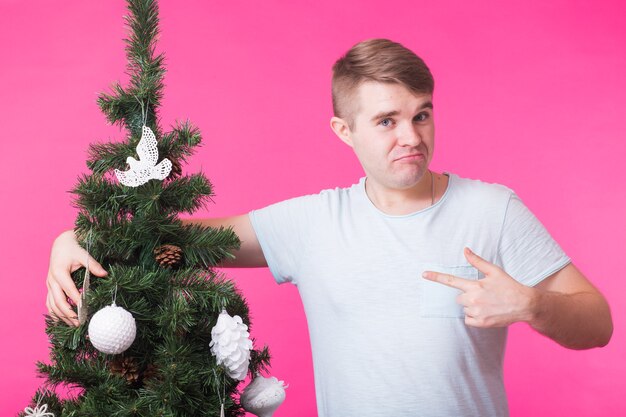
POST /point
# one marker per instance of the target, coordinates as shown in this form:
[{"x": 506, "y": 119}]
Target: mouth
[{"x": 411, "y": 157}]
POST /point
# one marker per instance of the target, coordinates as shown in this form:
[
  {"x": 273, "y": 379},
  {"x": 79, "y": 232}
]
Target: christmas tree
[{"x": 160, "y": 270}]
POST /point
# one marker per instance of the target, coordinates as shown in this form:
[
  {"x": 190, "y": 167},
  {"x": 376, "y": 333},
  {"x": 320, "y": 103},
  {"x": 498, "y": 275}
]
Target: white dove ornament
[{"x": 146, "y": 168}]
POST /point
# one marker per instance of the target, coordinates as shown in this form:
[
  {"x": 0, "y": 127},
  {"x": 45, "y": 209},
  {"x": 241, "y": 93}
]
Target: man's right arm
[
  {"x": 250, "y": 254},
  {"x": 67, "y": 256}
]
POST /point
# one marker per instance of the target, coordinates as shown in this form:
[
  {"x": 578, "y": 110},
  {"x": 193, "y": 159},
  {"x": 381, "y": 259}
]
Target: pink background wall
[{"x": 529, "y": 95}]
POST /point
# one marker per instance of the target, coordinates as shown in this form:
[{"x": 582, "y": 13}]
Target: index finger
[{"x": 449, "y": 280}]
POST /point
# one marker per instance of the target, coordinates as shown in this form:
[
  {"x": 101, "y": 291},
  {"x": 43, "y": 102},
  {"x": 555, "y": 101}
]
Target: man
[{"x": 404, "y": 318}]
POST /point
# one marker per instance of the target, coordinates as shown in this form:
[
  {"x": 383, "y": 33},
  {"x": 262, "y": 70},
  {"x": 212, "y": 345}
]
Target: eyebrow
[{"x": 382, "y": 115}]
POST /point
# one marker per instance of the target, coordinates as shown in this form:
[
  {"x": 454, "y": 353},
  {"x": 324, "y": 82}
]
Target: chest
[{"x": 378, "y": 270}]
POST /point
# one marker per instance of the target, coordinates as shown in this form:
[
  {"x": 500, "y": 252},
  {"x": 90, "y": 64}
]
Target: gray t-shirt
[{"x": 385, "y": 341}]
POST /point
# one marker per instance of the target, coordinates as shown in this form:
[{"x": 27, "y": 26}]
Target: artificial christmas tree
[{"x": 160, "y": 270}]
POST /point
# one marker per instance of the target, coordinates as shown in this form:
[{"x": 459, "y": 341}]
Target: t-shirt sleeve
[
  {"x": 281, "y": 230},
  {"x": 526, "y": 250}
]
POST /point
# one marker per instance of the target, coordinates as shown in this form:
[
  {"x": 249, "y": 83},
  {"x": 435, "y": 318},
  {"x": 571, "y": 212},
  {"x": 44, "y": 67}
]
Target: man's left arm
[{"x": 565, "y": 307}]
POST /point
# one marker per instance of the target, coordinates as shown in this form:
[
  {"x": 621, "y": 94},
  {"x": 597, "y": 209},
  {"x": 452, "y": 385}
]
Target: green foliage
[{"x": 175, "y": 308}]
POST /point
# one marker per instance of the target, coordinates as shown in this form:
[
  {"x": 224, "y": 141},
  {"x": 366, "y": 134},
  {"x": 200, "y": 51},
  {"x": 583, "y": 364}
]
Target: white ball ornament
[
  {"x": 263, "y": 396},
  {"x": 112, "y": 330},
  {"x": 231, "y": 345}
]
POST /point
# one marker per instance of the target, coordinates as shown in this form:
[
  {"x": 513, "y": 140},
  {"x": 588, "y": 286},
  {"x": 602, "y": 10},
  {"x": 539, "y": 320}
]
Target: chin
[
  {"x": 402, "y": 184},
  {"x": 407, "y": 180},
  {"x": 402, "y": 180}
]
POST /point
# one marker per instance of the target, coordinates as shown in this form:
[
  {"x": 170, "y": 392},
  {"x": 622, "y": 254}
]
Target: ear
[{"x": 341, "y": 129}]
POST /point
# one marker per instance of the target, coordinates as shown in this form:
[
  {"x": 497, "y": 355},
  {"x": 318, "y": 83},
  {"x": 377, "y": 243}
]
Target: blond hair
[{"x": 378, "y": 60}]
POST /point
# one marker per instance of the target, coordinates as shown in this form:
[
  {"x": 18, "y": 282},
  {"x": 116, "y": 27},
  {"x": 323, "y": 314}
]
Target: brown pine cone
[
  {"x": 168, "y": 255},
  {"x": 125, "y": 367}
]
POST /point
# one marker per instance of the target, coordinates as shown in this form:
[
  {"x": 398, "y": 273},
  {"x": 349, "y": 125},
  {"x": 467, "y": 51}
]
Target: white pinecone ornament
[
  {"x": 263, "y": 396},
  {"x": 230, "y": 343},
  {"x": 112, "y": 330}
]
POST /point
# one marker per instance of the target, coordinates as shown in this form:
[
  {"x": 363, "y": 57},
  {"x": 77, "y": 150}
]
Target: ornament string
[
  {"x": 223, "y": 396},
  {"x": 144, "y": 111},
  {"x": 82, "y": 303},
  {"x": 115, "y": 294}
]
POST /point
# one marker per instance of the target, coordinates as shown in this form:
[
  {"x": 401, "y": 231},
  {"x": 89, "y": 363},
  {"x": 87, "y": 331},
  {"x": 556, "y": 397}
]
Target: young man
[{"x": 397, "y": 305}]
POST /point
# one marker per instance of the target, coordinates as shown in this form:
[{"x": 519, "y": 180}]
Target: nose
[{"x": 409, "y": 135}]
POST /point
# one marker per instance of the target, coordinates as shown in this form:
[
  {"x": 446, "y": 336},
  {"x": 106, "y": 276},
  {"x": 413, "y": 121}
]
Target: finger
[
  {"x": 465, "y": 300},
  {"x": 479, "y": 263},
  {"x": 473, "y": 317},
  {"x": 50, "y": 309},
  {"x": 84, "y": 259},
  {"x": 56, "y": 312},
  {"x": 58, "y": 297},
  {"x": 449, "y": 280},
  {"x": 471, "y": 321},
  {"x": 95, "y": 268},
  {"x": 63, "y": 280}
]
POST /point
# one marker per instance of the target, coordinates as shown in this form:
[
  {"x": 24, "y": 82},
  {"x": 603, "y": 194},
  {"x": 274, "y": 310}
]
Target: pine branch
[
  {"x": 95, "y": 194},
  {"x": 260, "y": 360},
  {"x": 186, "y": 194},
  {"x": 206, "y": 247},
  {"x": 103, "y": 157},
  {"x": 180, "y": 143}
]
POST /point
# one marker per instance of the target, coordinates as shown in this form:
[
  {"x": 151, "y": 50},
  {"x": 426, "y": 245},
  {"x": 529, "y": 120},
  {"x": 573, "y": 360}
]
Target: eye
[
  {"x": 421, "y": 117},
  {"x": 385, "y": 122}
]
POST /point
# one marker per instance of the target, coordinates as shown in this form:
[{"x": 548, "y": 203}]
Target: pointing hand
[{"x": 494, "y": 301}]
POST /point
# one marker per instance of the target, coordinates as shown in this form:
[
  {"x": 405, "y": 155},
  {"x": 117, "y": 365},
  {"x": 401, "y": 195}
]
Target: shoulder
[
  {"x": 479, "y": 191},
  {"x": 337, "y": 195},
  {"x": 329, "y": 197},
  {"x": 341, "y": 194}
]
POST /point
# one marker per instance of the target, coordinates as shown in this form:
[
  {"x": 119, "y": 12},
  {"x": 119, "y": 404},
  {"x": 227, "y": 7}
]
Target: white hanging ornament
[
  {"x": 231, "y": 345},
  {"x": 38, "y": 411},
  {"x": 112, "y": 330},
  {"x": 146, "y": 168},
  {"x": 263, "y": 396}
]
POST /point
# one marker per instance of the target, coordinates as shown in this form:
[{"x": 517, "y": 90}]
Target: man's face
[{"x": 393, "y": 134}]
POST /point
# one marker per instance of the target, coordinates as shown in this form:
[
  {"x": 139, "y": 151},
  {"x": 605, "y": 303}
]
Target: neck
[{"x": 395, "y": 201}]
